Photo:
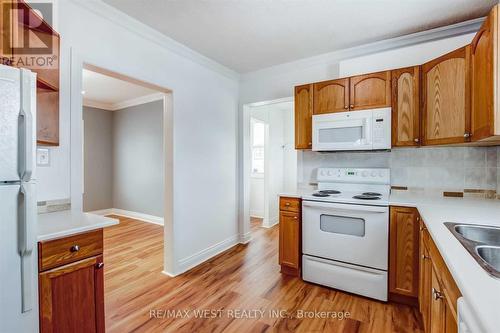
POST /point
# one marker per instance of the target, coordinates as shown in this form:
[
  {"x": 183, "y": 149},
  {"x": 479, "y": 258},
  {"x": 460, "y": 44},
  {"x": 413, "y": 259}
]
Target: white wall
[
  {"x": 402, "y": 57},
  {"x": 205, "y": 98}
]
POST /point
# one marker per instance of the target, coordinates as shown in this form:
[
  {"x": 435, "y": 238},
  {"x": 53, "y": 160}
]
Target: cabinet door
[
  {"x": 72, "y": 297},
  {"x": 482, "y": 84},
  {"x": 403, "y": 251},
  {"x": 303, "y": 116},
  {"x": 289, "y": 239},
  {"x": 437, "y": 306},
  {"x": 331, "y": 96},
  {"x": 5, "y": 45},
  {"x": 446, "y": 98},
  {"x": 405, "y": 107},
  {"x": 370, "y": 91},
  {"x": 425, "y": 282}
]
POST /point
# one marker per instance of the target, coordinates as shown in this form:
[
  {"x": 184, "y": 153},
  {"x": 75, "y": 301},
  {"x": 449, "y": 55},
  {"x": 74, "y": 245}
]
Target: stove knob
[
  {"x": 329, "y": 173},
  {"x": 381, "y": 174},
  {"x": 374, "y": 173},
  {"x": 364, "y": 173}
]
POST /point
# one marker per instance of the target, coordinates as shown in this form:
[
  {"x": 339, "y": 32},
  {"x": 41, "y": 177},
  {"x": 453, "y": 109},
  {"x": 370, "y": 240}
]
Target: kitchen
[{"x": 208, "y": 244}]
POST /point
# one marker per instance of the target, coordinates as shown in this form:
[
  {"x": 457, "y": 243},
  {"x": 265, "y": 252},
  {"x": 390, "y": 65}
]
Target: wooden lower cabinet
[
  {"x": 438, "y": 293},
  {"x": 290, "y": 236},
  {"x": 71, "y": 295},
  {"x": 403, "y": 254}
]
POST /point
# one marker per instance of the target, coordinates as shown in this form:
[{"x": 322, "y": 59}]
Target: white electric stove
[{"x": 345, "y": 231}]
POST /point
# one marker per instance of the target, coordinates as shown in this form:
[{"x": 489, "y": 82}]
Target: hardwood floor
[{"x": 246, "y": 277}]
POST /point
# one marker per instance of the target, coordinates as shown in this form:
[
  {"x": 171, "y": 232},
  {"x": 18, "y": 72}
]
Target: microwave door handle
[{"x": 345, "y": 207}]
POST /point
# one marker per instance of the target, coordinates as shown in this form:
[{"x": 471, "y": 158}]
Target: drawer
[
  {"x": 290, "y": 204},
  {"x": 62, "y": 251}
]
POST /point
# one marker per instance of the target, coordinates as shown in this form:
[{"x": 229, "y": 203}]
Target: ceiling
[
  {"x": 109, "y": 93},
  {"x": 246, "y": 35}
]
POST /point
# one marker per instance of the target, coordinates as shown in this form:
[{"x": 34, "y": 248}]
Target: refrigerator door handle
[
  {"x": 25, "y": 246},
  {"x": 25, "y": 128}
]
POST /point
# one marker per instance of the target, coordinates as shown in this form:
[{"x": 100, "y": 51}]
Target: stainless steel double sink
[{"x": 482, "y": 242}]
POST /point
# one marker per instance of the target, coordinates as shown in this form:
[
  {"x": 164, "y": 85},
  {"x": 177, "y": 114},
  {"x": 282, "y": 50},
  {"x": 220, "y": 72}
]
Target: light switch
[{"x": 42, "y": 157}]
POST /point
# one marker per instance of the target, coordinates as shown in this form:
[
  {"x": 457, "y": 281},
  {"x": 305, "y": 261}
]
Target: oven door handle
[{"x": 349, "y": 207}]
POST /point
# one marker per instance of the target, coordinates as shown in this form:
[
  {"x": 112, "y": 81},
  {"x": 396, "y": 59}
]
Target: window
[{"x": 258, "y": 134}]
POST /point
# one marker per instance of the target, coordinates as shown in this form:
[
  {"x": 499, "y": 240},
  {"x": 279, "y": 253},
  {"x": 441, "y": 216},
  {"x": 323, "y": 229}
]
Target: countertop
[
  {"x": 480, "y": 290},
  {"x": 66, "y": 223}
]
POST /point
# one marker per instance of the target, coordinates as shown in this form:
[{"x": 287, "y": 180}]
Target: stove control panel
[{"x": 355, "y": 175}]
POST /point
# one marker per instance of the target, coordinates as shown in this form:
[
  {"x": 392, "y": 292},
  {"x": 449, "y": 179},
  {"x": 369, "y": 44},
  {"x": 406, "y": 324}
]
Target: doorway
[
  {"x": 271, "y": 158},
  {"x": 163, "y": 97}
]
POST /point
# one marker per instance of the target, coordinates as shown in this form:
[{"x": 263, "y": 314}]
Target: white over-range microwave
[{"x": 352, "y": 130}]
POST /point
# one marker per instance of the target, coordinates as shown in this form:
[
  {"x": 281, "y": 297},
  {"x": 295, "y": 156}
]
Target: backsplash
[{"x": 436, "y": 168}]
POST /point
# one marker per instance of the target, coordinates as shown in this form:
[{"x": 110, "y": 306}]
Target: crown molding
[
  {"x": 124, "y": 104},
  {"x": 449, "y": 31},
  {"x": 117, "y": 17}
]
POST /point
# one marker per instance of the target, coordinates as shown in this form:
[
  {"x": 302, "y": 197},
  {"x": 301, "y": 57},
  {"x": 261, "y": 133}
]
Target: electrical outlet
[{"x": 42, "y": 157}]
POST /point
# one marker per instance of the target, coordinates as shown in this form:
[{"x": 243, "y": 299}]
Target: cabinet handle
[
  {"x": 436, "y": 294},
  {"x": 416, "y": 140},
  {"x": 75, "y": 248},
  {"x": 351, "y": 106},
  {"x": 99, "y": 265},
  {"x": 287, "y": 204},
  {"x": 425, "y": 257},
  {"x": 295, "y": 217},
  {"x": 346, "y": 107},
  {"x": 466, "y": 135}
]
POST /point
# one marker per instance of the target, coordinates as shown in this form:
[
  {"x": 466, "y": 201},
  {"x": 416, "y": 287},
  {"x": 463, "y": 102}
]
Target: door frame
[
  {"x": 78, "y": 63},
  {"x": 245, "y": 163}
]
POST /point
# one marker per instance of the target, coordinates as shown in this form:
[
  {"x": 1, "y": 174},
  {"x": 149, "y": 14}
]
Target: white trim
[
  {"x": 272, "y": 222},
  {"x": 245, "y": 238},
  {"x": 124, "y": 104},
  {"x": 169, "y": 274},
  {"x": 257, "y": 213},
  {"x": 117, "y": 17},
  {"x": 453, "y": 30},
  {"x": 98, "y": 105},
  {"x": 133, "y": 215},
  {"x": 206, "y": 254}
]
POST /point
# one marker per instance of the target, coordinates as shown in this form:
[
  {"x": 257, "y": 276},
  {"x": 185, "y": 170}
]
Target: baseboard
[
  {"x": 169, "y": 274},
  {"x": 245, "y": 238},
  {"x": 205, "y": 254},
  {"x": 257, "y": 214},
  {"x": 127, "y": 213},
  {"x": 272, "y": 222}
]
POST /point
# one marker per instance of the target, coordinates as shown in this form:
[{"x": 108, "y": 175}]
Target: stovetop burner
[
  {"x": 373, "y": 194},
  {"x": 320, "y": 194},
  {"x": 366, "y": 197},
  {"x": 329, "y": 192}
]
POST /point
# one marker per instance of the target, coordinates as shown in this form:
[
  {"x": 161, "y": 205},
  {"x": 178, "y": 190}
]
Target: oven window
[
  {"x": 341, "y": 134},
  {"x": 345, "y": 225}
]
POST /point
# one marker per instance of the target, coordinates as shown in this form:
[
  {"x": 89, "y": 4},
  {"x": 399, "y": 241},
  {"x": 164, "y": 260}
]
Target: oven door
[
  {"x": 342, "y": 131},
  {"x": 355, "y": 234}
]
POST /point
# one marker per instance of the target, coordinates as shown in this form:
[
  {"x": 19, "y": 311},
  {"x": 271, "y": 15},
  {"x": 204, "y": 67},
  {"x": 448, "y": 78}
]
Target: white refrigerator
[{"x": 18, "y": 251}]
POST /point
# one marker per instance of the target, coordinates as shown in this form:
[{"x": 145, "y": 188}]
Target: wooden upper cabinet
[
  {"x": 404, "y": 251},
  {"x": 303, "y": 116},
  {"x": 446, "y": 98},
  {"x": 482, "y": 78},
  {"x": 331, "y": 96},
  {"x": 5, "y": 50},
  {"x": 405, "y": 107},
  {"x": 370, "y": 91}
]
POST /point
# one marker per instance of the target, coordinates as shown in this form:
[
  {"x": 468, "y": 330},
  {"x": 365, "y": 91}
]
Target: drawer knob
[
  {"x": 287, "y": 204},
  {"x": 75, "y": 248},
  {"x": 351, "y": 106},
  {"x": 99, "y": 265}
]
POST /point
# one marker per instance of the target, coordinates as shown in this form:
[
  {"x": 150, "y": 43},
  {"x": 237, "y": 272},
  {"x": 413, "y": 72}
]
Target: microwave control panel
[{"x": 381, "y": 125}]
